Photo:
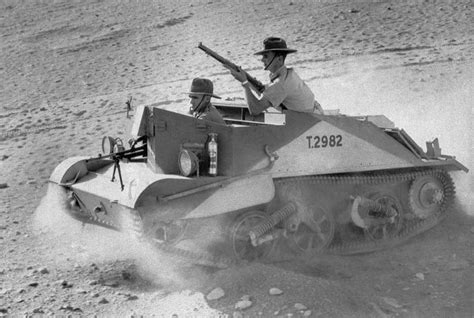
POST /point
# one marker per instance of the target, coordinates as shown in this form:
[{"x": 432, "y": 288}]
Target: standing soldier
[{"x": 286, "y": 89}]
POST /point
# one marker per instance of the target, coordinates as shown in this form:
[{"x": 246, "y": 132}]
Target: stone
[
  {"x": 70, "y": 308},
  {"x": 112, "y": 284},
  {"x": 237, "y": 314},
  {"x": 43, "y": 270},
  {"x": 215, "y": 294},
  {"x": 243, "y": 304},
  {"x": 392, "y": 302},
  {"x": 420, "y": 276},
  {"x": 38, "y": 310},
  {"x": 275, "y": 291},
  {"x": 103, "y": 301},
  {"x": 307, "y": 313},
  {"x": 299, "y": 306},
  {"x": 65, "y": 284},
  {"x": 3, "y": 185}
]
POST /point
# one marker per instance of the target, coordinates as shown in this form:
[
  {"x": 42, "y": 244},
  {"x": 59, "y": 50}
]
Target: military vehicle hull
[{"x": 314, "y": 183}]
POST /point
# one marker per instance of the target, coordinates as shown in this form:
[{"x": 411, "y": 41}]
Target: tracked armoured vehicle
[{"x": 312, "y": 183}]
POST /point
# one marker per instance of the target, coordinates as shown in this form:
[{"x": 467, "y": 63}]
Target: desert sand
[{"x": 67, "y": 69}]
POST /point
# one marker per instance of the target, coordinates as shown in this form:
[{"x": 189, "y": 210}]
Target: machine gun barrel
[
  {"x": 128, "y": 154},
  {"x": 228, "y": 64}
]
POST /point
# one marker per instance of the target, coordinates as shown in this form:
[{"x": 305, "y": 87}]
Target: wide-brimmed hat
[
  {"x": 202, "y": 86},
  {"x": 273, "y": 44}
]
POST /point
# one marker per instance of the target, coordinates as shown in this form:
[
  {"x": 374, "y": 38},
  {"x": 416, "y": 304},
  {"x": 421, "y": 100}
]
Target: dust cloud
[
  {"x": 86, "y": 244},
  {"x": 424, "y": 102}
]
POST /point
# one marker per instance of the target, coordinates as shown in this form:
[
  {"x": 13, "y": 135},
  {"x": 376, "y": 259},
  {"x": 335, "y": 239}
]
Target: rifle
[{"x": 228, "y": 64}]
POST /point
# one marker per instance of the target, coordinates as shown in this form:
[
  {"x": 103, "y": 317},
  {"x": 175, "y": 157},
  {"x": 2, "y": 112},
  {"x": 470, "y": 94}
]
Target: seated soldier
[
  {"x": 286, "y": 89},
  {"x": 201, "y": 92}
]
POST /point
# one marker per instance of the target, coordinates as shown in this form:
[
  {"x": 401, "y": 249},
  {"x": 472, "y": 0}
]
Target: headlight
[
  {"x": 188, "y": 162},
  {"x": 108, "y": 144}
]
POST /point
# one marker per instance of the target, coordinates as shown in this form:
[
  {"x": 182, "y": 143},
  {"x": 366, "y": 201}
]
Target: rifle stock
[{"x": 252, "y": 80}]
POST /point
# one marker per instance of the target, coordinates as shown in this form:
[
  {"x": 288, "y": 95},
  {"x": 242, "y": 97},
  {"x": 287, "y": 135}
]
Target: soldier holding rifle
[{"x": 286, "y": 89}]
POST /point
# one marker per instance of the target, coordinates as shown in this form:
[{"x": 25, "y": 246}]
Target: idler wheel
[
  {"x": 314, "y": 231},
  {"x": 427, "y": 194},
  {"x": 386, "y": 227},
  {"x": 241, "y": 244}
]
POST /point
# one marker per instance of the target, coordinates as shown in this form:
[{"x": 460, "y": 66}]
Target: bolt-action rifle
[{"x": 228, "y": 64}]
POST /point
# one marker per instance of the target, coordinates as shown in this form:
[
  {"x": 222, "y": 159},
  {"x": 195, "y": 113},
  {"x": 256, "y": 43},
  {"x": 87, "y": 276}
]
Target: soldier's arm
[{"x": 257, "y": 103}]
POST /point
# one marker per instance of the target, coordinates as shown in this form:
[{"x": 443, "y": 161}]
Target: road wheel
[
  {"x": 312, "y": 231},
  {"x": 240, "y": 240}
]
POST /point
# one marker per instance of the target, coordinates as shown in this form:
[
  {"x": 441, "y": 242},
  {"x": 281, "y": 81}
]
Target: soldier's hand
[{"x": 238, "y": 74}]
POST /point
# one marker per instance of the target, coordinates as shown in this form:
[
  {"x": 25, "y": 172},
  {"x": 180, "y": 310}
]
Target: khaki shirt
[
  {"x": 289, "y": 89},
  {"x": 212, "y": 114}
]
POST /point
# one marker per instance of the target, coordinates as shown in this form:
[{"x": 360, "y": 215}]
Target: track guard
[
  {"x": 69, "y": 171},
  {"x": 218, "y": 198},
  {"x": 74, "y": 168}
]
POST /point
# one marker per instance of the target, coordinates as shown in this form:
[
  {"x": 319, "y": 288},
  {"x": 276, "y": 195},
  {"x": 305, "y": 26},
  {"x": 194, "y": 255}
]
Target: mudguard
[{"x": 173, "y": 196}]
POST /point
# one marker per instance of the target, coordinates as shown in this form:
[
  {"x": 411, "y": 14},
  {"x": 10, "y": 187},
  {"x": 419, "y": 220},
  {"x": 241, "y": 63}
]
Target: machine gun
[
  {"x": 228, "y": 64},
  {"x": 116, "y": 152}
]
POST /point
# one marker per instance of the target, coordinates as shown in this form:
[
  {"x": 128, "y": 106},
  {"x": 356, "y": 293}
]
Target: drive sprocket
[{"x": 428, "y": 194}]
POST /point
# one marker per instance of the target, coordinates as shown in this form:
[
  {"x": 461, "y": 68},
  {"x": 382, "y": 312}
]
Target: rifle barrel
[{"x": 255, "y": 82}]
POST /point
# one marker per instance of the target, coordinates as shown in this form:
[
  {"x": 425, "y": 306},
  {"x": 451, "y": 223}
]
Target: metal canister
[{"x": 212, "y": 151}]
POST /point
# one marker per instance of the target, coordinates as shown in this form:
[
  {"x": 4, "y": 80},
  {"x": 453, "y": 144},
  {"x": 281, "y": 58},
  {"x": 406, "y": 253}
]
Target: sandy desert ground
[{"x": 67, "y": 68}]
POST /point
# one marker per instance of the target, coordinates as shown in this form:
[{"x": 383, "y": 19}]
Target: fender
[
  {"x": 74, "y": 168},
  {"x": 168, "y": 195}
]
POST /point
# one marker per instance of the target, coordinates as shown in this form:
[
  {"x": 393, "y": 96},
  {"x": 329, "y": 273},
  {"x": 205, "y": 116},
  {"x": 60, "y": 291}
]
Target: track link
[{"x": 410, "y": 228}]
